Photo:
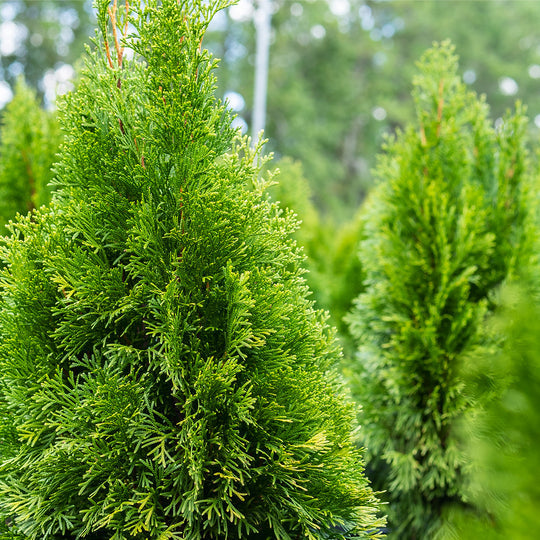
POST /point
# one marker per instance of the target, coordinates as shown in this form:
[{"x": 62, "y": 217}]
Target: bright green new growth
[
  {"x": 448, "y": 223},
  {"x": 29, "y": 140},
  {"x": 162, "y": 373}
]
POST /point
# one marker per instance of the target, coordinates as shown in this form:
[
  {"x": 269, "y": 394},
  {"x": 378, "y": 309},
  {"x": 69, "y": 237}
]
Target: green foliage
[
  {"x": 344, "y": 274},
  {"x": 450, "y": 221},
  {"x": 292, "y": 190},
  {"x": 163, "y": 374},
  {"x": 30, "y": 139},
  {"x": 502, "y": 439}
]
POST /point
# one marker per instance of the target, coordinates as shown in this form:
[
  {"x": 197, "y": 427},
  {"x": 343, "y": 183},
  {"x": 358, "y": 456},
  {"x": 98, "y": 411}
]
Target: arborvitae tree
[
  {"x": 344, "y": 276},
  {"x": 448, "y": 223},
  {"x": 163, "y": 374},
  {"x": 29, "y": 141},
  {"x": 292, "y": 189}
]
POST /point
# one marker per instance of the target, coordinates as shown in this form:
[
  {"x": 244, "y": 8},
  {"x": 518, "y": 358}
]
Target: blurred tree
[
  {"x": 451, "y": 220},
  {"x": 340, "y": 75},
  {"x": 344, "y": 273},
  {"x": 292, "y": 190},
  {"x": 334, "y": 270},
  {"x": 29, "y": 140}
]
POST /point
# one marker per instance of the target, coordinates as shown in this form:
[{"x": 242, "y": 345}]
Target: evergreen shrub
[
  {"x": 29, "y": 141},
  {"x": 449, "y": 222},
  {"x": 162, "y": 373}
]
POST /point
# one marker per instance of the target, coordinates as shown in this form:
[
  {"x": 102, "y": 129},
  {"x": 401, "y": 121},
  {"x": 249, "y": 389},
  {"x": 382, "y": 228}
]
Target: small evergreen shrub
[
  {"x": 344, "y": 275},
  {"x": 162, "y": 373},
  {"x": 448, "y": 223},
  {"x": 292, "y": 190},
  {"x": 29, "y": 141}
]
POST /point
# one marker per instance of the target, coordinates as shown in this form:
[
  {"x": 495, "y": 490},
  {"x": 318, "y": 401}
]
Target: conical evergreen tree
[
  {"x": 448, "y": 223},
  {"x": 163, "y": 375},
  {"x": 29, "y": 140}
]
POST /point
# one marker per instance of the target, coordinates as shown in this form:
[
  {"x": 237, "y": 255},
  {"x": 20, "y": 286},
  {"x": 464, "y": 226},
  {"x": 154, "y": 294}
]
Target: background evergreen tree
[
  {"x": 448, "y": 223},
  {"x": 344, "y": 275},
  {"x": 29, "y": 140},
  {"x": 292, "y": 190},
  {"x": 162, "y": 372}
]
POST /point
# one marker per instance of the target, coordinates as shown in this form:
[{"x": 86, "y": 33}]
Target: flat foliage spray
[
  {"x": 448, "y": 223},
  {"x": 163, "y": 375}
]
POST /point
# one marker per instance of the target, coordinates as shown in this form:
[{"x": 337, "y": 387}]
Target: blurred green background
[{"x": 339, "y": 75}]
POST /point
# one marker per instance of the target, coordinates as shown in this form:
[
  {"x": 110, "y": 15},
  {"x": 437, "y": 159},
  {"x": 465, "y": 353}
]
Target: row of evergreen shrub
[{"x": 163, "y": 372}]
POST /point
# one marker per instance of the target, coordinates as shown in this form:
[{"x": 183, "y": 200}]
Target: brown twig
[
  {"x": 108, "y": 51},
  {"x": 127, "y": 20},
  {"x": 114, "y": 23},
  {"x": 112, "y": 15}
]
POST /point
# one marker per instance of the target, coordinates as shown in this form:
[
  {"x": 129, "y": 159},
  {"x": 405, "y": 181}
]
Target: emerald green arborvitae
[
  {"x": 447, "y": 224},
  {"x": 163, "y": 375},
  {"x": 29, "y": 140}
]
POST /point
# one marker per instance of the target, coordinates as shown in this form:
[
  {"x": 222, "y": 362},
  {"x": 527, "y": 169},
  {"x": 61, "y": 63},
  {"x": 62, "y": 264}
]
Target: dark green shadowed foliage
[
  {"x": 163, "y": 375},
  {"x": 448, "y": 223},
  {"x": 29, "y": 141}
]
